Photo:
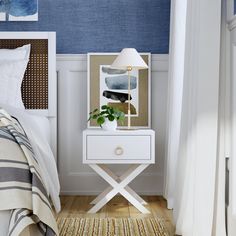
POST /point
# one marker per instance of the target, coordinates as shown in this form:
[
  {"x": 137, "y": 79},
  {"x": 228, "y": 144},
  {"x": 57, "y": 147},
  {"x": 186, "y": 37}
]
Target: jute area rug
[{"x": 111, "y": 227}]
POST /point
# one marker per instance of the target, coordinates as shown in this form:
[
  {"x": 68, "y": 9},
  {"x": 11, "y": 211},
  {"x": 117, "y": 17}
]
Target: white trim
[
  {"x": 149, "y": 90},
  {"x": 230, "y": 10},
  {"x": 91, "y": 177},
  {"x": 25, "y": 35},
  {"x": 72, "y": 57},
  {"x": 92, "y": 174},
  {"x": 52, "y": 83},
  {"x": 95, "y": 193},
  {"x": 169, "y": 105},
  {"x": 159, "y": 62}
]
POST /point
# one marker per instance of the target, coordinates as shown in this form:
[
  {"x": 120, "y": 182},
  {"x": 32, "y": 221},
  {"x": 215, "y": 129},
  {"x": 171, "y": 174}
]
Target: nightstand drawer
[{"x": 118, "y": 147}]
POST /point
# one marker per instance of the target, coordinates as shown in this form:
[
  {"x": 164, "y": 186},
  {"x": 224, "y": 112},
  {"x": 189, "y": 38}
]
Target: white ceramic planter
[{"x": 109, "y": 125}]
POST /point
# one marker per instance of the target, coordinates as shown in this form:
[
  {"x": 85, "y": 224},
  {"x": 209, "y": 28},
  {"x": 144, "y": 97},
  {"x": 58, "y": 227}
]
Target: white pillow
[
  {"x": 20, "y": 53},
  {"x": 11, "y": 76}
]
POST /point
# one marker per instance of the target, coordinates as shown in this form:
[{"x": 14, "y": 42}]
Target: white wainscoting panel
[{"x": 77, "y": 178}]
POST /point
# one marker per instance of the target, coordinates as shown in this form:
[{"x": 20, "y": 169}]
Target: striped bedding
[{"x": 21, "y": 187}]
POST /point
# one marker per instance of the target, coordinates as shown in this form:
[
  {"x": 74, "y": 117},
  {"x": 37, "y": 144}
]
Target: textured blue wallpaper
[
  {"x": 234, "y": 7},
  {"x": 102, "y": 25}
]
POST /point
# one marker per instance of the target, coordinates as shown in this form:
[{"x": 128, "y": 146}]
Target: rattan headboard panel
[{"x": 35, "y": 83}]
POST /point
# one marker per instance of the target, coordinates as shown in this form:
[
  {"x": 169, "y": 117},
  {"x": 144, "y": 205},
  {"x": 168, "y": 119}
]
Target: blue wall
[
  {"x": 102, "y": 25},
  {"x": 234, "y": 7}
]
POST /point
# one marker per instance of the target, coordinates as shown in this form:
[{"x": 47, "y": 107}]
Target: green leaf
[
  {"x": 106, "y": 112},
  {"x": 94, "y": 116},
  {"x": 103, "y": 113},
  {"x": 104, "y": 107},
  {"x": 100, "y": 120},
  {"x": 111, "y": 118}
]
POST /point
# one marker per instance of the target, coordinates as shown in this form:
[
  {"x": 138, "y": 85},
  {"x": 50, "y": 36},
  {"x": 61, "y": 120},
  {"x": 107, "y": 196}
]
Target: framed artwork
[
  {"x": 18, "y": 10},
  {"x": 109, "y": 86}
]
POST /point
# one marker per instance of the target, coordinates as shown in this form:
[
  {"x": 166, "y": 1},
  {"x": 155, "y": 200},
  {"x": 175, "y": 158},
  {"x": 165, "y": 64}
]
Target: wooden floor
[{"x": 77, "y": 206}]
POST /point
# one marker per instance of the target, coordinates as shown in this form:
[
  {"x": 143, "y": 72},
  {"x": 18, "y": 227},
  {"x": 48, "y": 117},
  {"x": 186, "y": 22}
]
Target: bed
[{"x": 37, "y": 123}]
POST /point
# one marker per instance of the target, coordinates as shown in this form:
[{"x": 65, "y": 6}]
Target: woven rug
[{"x": 111, "y": 227}]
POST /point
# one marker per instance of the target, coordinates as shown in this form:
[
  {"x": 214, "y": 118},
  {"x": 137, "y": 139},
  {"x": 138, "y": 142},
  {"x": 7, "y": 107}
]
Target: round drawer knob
[{"x": 119, "y": 151}]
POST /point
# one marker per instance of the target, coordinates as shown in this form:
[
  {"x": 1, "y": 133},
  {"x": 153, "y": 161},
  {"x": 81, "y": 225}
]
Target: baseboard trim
[
  {"x": 95, "y": 193},
  {"x": 92, "y": 174},
  {"x": 149, "y": 183}
]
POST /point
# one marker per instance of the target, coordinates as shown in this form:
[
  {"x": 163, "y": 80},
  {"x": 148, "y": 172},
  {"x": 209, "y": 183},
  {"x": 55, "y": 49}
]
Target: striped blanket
[{"x": 21, "y": 187}]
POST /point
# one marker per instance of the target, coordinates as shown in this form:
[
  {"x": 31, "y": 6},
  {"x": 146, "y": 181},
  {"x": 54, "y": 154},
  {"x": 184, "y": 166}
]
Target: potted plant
[{"x": 107, "y": 117}]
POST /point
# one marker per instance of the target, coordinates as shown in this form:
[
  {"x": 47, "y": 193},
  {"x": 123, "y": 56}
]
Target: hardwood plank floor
[{"x": 77, "y": 206}]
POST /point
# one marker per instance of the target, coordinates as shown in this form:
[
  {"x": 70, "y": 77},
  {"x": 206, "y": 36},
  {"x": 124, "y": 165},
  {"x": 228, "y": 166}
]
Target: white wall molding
[
  {"x": 77, "y": 178},
  {"x": 72, "y": 62},
  {"x": 230, "y": 9},
  {"x": 71, "y": 57},
  {"x": 159, "y": 61}
]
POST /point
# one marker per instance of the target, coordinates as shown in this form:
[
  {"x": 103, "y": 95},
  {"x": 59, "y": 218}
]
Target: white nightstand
[{"x": 135, "y": 147}]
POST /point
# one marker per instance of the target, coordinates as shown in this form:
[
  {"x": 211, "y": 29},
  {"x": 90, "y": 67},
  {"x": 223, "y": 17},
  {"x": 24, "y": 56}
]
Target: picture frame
[{"x": 97, "y": 89}]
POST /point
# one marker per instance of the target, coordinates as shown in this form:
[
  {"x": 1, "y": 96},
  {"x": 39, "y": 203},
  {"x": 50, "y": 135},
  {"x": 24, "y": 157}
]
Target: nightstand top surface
[{"x": 119, "y": 131}]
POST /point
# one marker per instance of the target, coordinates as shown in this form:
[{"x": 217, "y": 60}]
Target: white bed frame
[{"x": 51, "y": 112}]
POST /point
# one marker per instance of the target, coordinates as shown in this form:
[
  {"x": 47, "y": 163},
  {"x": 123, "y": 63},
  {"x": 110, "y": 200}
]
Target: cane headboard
[
  {"x": 35, "y": 83},
  {"x": 40, "y": 73},
  {"x": 39, "y": 88}
]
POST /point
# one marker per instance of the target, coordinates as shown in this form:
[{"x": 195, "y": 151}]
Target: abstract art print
[
  {"x": 114, "y": 89},
  {"x": 109, "y": 86},
  {"x": 18, "y": 10}
]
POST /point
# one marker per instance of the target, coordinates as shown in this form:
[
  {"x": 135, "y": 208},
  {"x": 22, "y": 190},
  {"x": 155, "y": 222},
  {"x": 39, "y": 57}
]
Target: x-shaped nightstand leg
[
  {"x": 108, "y": 189},
  {"x": 118, "y": 185}
]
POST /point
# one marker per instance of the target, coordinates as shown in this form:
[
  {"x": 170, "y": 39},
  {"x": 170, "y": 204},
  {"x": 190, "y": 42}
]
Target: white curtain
[{"x": 194, "y": 139}]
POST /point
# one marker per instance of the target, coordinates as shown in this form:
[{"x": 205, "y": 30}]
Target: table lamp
[{"x": 129, "y": 59}]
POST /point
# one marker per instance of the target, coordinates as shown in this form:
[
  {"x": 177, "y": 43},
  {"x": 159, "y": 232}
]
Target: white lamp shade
[{"x": 129, "y": 57}]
